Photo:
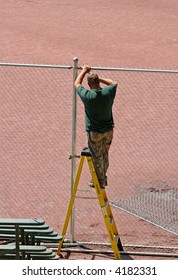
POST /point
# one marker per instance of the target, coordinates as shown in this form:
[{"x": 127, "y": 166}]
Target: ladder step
[
  {"x": 106, "y": 202},
  {"x": 113, "y": 225},
  {"x": 111, "y": 220},
  {"x": 108, "y": 208},
  {"x": 86, "y": 152},
  {"x": 119, "y": 244}
]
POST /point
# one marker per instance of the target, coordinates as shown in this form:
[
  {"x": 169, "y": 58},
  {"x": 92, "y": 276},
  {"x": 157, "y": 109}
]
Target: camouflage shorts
[{"x": 99, "y": 144}]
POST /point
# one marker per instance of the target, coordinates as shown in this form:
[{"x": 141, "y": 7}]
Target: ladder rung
[
  {"x": 106, "y": 202},
  {"x": 113, "y": 225},
  {"x": 117, "y": 238},
  {"x": 111, "y": 220},
  {"x": 107, "y": 205},
  {"x": 119, "y": 244}
]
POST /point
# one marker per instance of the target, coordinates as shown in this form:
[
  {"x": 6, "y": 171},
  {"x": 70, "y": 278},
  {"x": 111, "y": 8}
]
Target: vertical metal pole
[
  {"x": 74, "y": 125},
  {"x": 17, "y": 240}
]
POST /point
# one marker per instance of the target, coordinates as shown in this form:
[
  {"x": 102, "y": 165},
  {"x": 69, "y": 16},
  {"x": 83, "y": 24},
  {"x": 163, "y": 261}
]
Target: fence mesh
[
  {"x": 35, "y": 142},
  {"x": 143, "y": 157},
  {"x": 36, "y": 117}
]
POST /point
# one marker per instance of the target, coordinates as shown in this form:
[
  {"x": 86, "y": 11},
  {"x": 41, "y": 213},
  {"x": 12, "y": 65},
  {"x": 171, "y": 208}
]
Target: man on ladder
[
  {"x": 99, "y": 121},
  {"x": 99, "y": 126}
]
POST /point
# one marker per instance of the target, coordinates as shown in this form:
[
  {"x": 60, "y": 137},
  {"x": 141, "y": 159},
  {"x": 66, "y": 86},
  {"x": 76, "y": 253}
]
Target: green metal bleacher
[{"x": 22, "y": 238}]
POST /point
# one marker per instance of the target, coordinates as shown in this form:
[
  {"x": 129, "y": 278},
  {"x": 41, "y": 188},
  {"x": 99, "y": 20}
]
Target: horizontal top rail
[
  {"x": 132, "y": 69},
  {"x": 35, "y": 65},
  {"x": 92, "y": 68}
]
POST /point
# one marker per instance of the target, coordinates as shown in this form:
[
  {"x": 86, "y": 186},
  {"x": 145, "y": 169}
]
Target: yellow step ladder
[{"x": 104, "y": 204}]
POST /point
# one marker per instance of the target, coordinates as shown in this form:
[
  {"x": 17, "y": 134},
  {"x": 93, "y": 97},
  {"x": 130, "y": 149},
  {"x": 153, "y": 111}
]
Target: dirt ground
[
  {"x": 139, "y": 34},
  {"x": 122, "y": 33}
]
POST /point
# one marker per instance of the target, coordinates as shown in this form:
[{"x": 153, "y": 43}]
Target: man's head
[{"x": 93, "y": 80}]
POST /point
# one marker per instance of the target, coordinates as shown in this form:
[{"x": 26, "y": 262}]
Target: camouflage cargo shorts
[{"x": 99, "y": 145}]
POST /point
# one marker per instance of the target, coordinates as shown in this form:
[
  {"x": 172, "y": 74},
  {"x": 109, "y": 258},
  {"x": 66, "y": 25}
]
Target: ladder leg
[
  {"x": 106, "y": 211},
  {"x": 109, "y": 212},
  {"x": 71, "y": 203}
]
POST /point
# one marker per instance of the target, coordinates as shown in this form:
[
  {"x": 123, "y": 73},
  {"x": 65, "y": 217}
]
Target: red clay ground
[
  {"x": 122, "y": 33},
  {"x": 101, "y": 33}
]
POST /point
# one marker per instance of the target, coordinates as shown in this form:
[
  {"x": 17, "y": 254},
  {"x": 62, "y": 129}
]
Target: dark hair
[{"x": 93, "y": 79}]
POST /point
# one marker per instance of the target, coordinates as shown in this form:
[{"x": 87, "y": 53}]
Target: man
[{"x": 99, "y": 121}]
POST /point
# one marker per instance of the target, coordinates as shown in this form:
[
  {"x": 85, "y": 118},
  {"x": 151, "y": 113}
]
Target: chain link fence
[
  {"x": 35, "y": 142},
  {"x": 42, "y": 126}
]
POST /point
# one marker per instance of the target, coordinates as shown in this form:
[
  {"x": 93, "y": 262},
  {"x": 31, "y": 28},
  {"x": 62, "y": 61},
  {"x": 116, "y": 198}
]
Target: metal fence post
[{"x": 74, "y": 124}]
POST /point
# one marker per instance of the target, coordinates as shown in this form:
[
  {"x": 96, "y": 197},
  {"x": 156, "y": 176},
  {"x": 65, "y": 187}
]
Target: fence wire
[
  {"x": 36, "y": 118},
  {"x": 143, "y": 158},
  {"x": 35, "y": 142}
]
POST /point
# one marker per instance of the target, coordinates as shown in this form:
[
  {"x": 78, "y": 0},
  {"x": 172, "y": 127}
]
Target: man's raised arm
[
  {"x": 107, "y": 81},
  {"x": 86, "y": 69}
]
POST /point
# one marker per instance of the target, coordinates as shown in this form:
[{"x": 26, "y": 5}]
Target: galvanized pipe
[
  {"x": 155, "y": 254},
  {"x": 93, "y": 67},
  {"x": 35, "y": 65},
  {"x": 73, "y": 154},
  {"x": 132, "y": 69},
  {"x": 79, "y": 243}
]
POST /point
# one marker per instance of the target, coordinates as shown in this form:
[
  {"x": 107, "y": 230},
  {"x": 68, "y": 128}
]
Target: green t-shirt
[{"x": 98, "y": 107}]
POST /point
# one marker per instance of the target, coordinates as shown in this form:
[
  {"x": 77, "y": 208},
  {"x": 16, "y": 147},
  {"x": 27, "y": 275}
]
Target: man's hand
[{"x": 86, "y": 69}]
